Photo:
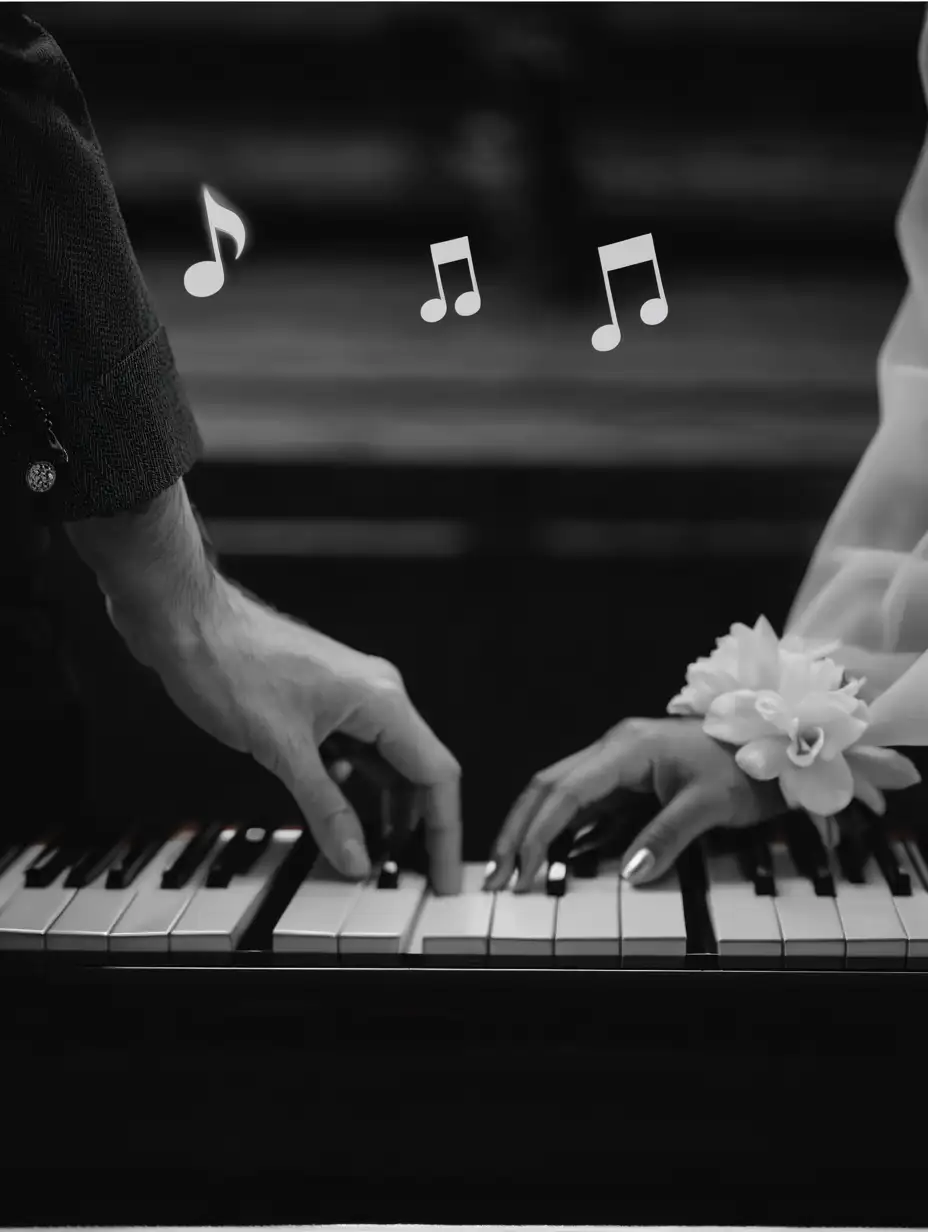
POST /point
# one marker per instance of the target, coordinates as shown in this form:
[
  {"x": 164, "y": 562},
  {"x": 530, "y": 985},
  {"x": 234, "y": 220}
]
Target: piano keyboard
[{"x": 789, "y": 904}]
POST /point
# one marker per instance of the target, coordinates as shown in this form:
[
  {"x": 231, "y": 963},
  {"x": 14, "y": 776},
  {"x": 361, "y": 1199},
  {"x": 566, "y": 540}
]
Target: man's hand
[
  {"x": 696, "y": 781},
  {"x": 266, "y": 685}
]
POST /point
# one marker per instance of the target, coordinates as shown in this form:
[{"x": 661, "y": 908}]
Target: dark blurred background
[{"x": 539, "y": 534}]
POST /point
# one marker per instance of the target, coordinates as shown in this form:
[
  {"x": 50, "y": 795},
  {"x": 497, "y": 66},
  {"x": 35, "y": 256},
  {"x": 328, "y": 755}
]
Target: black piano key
[
  {"x": 755, "y": 863},
  {"x": 226, "y": 860},
  {"x": 398, "y": 818},
  {"x": 91, "y": 863},
  {"x": 257, "y": 841},
  {"x": 852, "y": 858},
  {"x": 585, "y": 865},
  {"x": 238, "y": 855},
  {"x": 558, "y": 853},
  {"x": 190, "y": 859},
  {"x": 556, "y": 879},
  {"x": 389, "y": 876},
  {"x": 137, "y": 854},
  {"x": 809, "y": 854},
  {"x": 49, "y": 864},
  {"x": 762, "y": 862},
  {"x": 897, "y": 878},
  {"x": 701, "y": 945}
]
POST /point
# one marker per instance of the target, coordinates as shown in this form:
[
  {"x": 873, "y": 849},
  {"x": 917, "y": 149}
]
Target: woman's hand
[{"x": 695, "y": 779}]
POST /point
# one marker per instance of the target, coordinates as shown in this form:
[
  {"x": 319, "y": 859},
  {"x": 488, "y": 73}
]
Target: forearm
[{"x": 151, "y": 563}]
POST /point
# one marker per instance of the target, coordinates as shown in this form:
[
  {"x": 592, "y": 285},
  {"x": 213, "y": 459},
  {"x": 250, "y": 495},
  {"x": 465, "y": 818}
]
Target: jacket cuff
[{"x": 129, "y": 436}]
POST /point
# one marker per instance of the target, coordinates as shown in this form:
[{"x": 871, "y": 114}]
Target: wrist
[{"x": 151, "y": 565}]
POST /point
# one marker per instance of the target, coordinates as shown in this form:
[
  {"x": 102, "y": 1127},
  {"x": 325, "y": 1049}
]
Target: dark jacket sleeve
[{"x": 84, "y": 360}]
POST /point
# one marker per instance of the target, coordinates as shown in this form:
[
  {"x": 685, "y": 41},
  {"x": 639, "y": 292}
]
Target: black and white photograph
[{"x": 464, "y": 607}]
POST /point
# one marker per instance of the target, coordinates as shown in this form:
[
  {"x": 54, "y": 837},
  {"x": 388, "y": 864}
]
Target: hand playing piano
[
  {"x": 695, "y": 780},
  {"x": 267, "y": 685}
]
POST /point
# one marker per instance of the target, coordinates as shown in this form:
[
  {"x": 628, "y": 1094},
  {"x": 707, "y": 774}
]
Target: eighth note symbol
[
  {"x": 206, "y": 277},
  {"x": 468, "y": 302},
  {"x": 619, "y": 256}
]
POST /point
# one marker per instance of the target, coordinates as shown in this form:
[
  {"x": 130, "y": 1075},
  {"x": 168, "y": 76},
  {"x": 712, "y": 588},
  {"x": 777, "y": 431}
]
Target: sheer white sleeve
[{"x": 867, "y": 583}]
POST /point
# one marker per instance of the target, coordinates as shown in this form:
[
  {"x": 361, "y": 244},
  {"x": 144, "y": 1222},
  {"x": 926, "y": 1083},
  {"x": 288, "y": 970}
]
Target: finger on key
[
  {"x": 556, "y": 812},
  {"x": 622, "y": 760},
  {"x": 506, "y": 847},
  {"x": 695, "y": 810},
  {"x": 340, "y": 771},
  {"x": 331, "y": 819},
  {"x": 443, "y": 835},
  {"x": 412, "y": 748}
]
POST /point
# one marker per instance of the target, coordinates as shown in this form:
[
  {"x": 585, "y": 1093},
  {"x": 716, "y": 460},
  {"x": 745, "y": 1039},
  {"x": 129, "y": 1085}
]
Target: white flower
[
  {"x": 806, "y": 732},
  {"x": 745, "y": 659}
]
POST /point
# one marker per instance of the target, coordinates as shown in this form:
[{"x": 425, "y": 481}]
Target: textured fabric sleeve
[
  {"x": 83, "y": 344},
  {"x": 867, "y": 583}
]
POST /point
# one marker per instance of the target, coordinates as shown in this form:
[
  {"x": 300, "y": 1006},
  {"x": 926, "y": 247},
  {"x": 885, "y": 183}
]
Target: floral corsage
[{"x": 795, "y": 717}]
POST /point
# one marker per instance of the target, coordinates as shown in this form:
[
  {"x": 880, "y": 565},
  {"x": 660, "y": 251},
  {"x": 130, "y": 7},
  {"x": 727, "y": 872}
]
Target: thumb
[
  {"x": 332, "y": 821},
  {"x": 689, "y": 814}
]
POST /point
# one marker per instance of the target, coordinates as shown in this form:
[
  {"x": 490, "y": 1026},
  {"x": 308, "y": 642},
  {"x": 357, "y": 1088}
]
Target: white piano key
[
  {"x": 457, "y": 923},
  {"x": 653, "y": 926},
  {"x": 90, "y": 917},
  {"x": 146, "y": 924},
  {"x": 382, "y": 921},
  {"x": 871, "y": 924},
  {"x": 14, "y": 878},
  {"x": 588, "y": 923},
  {"x": 810, "y": 926},
  {"x": 314, "y": 916},
  {"x": 523, "y": 924},
  {"x": 913, "y": 909},
  {"x": 745, "y": 923},
  {"x": 216, "y": 917},
  {"x": 29, "y": 914}
]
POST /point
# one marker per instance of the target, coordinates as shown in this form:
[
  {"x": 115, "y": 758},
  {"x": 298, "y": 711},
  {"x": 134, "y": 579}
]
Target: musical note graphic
[
  {"x": 468, "y": 302},
  {"x": 619, "y": 256},
  {"x": 206, "y": 277}
]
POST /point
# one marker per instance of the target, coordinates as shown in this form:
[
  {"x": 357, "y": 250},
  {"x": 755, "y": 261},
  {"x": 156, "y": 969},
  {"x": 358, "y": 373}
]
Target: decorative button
[{"x": 40, "y": 477}]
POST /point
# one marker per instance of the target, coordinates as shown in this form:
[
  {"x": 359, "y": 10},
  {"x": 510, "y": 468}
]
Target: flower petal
[
  {"x": 763, "y": 759},
  {"x": 683, "y": 704},
  {"x": 733, "y": 717},
  {"x": 882, "y": 767},
  {"x": 824, "y": 787},
  {"x": 828, "y": 830},
  {"x": 840, "y": 729},
  {"x": 814, "y": 647},
  {"x": 759, "y": 661},
  {"x": 680, "y": 707},
  {"x": 805, "y": 746},
  {"x": 771, "y": 707},
  {"x": 870, "y": 795}
]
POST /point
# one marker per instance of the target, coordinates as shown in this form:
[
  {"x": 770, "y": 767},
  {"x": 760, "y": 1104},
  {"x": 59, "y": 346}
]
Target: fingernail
[
  {"x": 638, "y": 866},
  {"x": 354, "y": 859},
  {"x": 489, "y": 870}
]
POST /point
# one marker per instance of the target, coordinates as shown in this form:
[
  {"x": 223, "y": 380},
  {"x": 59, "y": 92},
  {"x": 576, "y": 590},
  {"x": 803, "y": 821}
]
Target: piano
[{"x": 205, "y": 1023}]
